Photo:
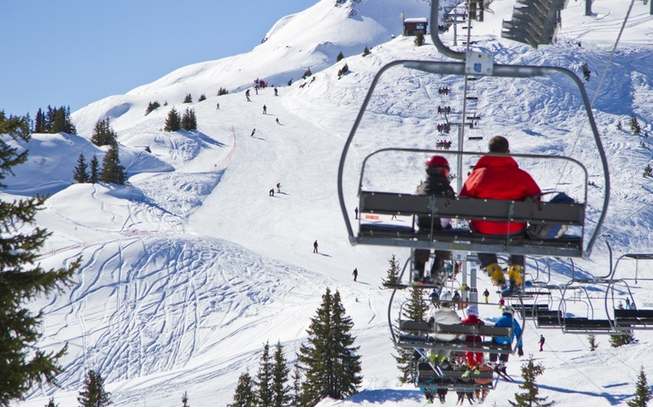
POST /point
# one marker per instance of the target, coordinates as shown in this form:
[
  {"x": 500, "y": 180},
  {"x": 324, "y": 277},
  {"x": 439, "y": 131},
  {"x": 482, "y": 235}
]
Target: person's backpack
[{"x": 550, "y": 230}]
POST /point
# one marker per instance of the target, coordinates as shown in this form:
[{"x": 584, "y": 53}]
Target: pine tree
[
  {"x": 173, "y": 121},
  {"x": 642, "y": 391},
  {"x": 635, "y": 127},
  {"x": 51, "y": 403},
  {"x": 296, "y": 396},
  {"x": 202, "y": 98},
  {"x": 93, "y": 393},
  {"x": 80, "y": 174},
  {"x": 340, "y": 56},
  {"x": 591, "y": 339},
  {"x": 68, "y": 125},
  {"x": 184, "y": 400},
  {"x": 103, "y": 133},
  {"x": 622, "y": 339},
  {"x": 188, "y": 99},
  {"x": 264, "y": 378},
  {"x": 23, "y": 363},
  {"x": 189, "y": 121},
  {"x": 331, "y": 364},
  {"x": 415, "y": 311},
  {"x": 93, "y": 177},
  {"x": 530, "y": 371},
  {"x": 392, "y": 274},
  {"x": 280, "y": 392},
  {"x": 56, "y": 120},
  {"x": 348, "y": 362},
  {"x": 244, "y": 395},
  {"x": 419, "y": 39},
  {"x": 49, "y": 119},
  {"x": 151, "y": 107},
  {"x": 39, "y": 122},
  {"x": 366, "y": 52},
  {"x": 112, "y": 171},
  {"x": 417, "y": 305}
]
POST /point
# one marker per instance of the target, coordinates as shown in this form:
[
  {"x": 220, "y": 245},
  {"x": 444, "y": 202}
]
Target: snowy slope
[{"x": 190, "y": 268}]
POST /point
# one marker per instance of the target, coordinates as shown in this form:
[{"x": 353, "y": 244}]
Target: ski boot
[
  {"x": 515, "y": 274},
  {"x": 496, "y": 274}
]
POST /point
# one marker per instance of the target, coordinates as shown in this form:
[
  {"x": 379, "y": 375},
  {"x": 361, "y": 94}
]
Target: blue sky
[{"x": 73, "y": 52}]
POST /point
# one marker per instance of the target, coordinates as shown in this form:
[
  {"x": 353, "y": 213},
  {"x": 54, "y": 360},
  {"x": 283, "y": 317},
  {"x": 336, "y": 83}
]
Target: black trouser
[
  {"x": 503, "y": 357},
  {"x": 422, "y": 257},
  {"x": 488, "y": 258}
]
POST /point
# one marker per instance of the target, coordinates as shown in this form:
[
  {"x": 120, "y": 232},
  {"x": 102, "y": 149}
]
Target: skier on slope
[
  {"x": 355, "y": 274},
  {"x": 315, "y": 247},
  {"x": 486, "y": 295},
  {"x": 437, "y": 183},
  {"x": 247, "y": 96},
  {"x": 499, "y": 177},
  {"x": 542, "y": 340},
  {"x": 265, "y": 109},
  {"x": 507, "y": 321},
  {"x": 586, "y": 71},
  {"x": 253, "y": 132}
]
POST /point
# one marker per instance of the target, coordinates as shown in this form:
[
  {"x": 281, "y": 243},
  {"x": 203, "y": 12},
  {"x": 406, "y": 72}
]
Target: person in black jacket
[{"x": 437, "y": 184}]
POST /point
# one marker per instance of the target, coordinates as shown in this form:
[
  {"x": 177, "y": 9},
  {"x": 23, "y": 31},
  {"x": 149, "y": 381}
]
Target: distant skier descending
[
  {"x": 253, "y": 132},
  {"x": 315, "y": 247},
  {"x": 355, "y": 274}
]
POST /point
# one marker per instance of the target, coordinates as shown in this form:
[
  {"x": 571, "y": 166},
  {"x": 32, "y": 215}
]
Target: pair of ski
[{"x": 501, "y": 371}]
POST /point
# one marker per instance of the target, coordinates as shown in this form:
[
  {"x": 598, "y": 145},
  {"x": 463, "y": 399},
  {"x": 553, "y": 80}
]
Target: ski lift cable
[{"x": 602, "y": 78}]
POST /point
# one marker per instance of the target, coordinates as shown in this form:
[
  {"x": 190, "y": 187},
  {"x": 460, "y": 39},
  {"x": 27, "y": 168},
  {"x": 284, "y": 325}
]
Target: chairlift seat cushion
[
  {"x": 585, "y": 324},
  {"x": 469, "y": 208},
  {"x": 415, "y": 326},
  {"x": 482, "y": 330},
  {"x": 621, "y": 313},
  {"x": 550, "y": 322},
  {"x": 419, "y": 341}
]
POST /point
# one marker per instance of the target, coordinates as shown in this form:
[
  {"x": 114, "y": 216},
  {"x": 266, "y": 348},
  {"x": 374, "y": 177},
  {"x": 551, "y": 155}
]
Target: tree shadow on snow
[
  {"x": 613, "y": 399},
  {"x": 386, "y": 395}
]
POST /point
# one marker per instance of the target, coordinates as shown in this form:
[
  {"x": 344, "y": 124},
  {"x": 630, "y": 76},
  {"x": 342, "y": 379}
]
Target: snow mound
[
  {"x": 53, "y": 157},
  {"x": 170, "y": 306}
]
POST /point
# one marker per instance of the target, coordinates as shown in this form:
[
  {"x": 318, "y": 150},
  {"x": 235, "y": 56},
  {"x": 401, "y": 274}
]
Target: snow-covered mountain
[{"x": 191, "y": 267}]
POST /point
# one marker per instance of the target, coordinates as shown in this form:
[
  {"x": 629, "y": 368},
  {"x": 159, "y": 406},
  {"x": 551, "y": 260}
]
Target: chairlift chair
[
  {"x": 628, "y": 319},
  {"x": 465, "y": 208}
]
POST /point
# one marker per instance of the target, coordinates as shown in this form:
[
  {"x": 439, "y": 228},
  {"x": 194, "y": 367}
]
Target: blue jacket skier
[{"x": 507, "y": 321}]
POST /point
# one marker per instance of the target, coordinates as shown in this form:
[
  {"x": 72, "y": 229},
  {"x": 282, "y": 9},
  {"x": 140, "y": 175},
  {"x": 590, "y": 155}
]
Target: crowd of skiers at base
[
  {"x": 493, "y": 177},
  {"x": 472, "y": 362}
]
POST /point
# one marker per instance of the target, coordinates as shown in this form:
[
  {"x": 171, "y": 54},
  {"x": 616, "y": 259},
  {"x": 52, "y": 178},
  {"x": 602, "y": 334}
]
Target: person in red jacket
[
  {"x": 474, "y": 359},
  {"x": 500, "y": 178}
]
